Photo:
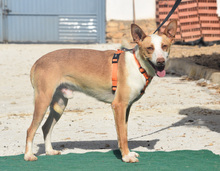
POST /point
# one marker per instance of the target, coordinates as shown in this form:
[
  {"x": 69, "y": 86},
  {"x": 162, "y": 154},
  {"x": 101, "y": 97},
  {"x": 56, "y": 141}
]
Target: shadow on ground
[
  {"x": 210, "y": 61},
  {"x": 96, "y": 145},
  {"x": 197, "y": 116}
]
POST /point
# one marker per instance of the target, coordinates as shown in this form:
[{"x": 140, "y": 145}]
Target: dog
[{"x": 56, "y": 75}]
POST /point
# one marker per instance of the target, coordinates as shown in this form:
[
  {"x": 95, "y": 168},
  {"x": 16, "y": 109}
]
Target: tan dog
[{"x": 57, "y": 74}]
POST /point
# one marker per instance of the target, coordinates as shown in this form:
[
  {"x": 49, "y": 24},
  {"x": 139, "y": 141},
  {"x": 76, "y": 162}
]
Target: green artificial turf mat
[{"x": 175, "y": 160}]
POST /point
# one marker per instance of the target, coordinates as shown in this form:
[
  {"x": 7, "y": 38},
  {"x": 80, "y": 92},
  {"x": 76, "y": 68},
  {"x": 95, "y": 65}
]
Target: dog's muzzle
[{"x": 159, "y": 67}]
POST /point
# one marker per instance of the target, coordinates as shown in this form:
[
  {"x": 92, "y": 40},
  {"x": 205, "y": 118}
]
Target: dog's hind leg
[
  {"x": 42, "y": 101},
  {"x": 57, "y": 107}
]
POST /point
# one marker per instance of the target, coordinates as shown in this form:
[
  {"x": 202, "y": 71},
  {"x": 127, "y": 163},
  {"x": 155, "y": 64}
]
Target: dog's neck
[{"x": 144, "y": 63}]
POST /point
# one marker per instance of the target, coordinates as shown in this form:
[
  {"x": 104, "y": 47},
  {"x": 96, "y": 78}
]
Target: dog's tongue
[{"x": 161, "y": 73}]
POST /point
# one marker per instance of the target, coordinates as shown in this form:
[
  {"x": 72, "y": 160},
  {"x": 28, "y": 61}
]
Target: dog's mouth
[
  {"x": 161, "y": 71},
  {"x": 159, "y": 68}
]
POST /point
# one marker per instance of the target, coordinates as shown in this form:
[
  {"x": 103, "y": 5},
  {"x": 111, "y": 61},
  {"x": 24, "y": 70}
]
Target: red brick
[
  {"x": 189, "y": 20},
  {"x": 217, "y": 25},
  {"x": 210, "y": 31},
  {"x": 214, "y": 38},
  {"x": 206, "y": 11},
  {"x": 190, "y": 26},
  {"x": 187, "y": 6},
  {"x": 204, "y": 4},
  {"x": 209, "y": 18},
  {"x": 190, "y": 33},
  {"x": 187, "y": 13}
]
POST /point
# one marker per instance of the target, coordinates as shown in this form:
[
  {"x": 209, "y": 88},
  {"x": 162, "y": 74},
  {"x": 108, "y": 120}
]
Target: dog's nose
[{"x": 160, "y": 61}]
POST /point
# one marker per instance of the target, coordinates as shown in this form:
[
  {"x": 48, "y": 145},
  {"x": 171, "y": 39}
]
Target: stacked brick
[
  {"x": 162, "y": 9},
  {"x": 209, "y": 20},
  {"x": 196, "y": 19}
]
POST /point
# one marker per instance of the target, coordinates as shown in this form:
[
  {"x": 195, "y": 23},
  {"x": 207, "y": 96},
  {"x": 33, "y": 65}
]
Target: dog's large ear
[
  {"x": 171, "y": 28},
  {"x": 137, "y": 33}
]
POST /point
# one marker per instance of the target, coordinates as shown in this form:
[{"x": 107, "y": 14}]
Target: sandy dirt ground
[{"x": 174, "y": 114}]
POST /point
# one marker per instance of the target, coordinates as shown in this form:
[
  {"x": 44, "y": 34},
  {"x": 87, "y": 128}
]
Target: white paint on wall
[
  {"x": 218, "y": 7},
  {"x": 123, "y": 9}
]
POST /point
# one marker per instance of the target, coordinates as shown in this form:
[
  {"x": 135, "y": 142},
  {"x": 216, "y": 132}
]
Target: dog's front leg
[{"x": 121, "y": 118}]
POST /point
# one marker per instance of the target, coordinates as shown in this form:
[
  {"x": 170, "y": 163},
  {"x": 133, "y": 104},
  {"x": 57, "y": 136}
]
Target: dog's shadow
[{"x": 97, "y": 145}]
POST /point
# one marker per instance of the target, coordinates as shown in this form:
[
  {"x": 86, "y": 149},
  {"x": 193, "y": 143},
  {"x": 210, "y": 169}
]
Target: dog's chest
[{"x": 135, "y": 80}]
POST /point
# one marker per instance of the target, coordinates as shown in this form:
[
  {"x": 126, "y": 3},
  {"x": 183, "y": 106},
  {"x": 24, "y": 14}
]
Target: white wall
[
  {"x": 123, "y": 9},
  {"x": 144, "y": 9},
  {"x": 218, "y": 7}
]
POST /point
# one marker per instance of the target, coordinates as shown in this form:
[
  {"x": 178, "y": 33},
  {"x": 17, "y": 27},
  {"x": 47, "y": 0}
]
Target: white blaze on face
[{"x": 158, "y": 51}]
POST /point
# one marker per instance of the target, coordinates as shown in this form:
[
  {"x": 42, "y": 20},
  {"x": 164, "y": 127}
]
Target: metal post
[{"x": 134, "y": 18}]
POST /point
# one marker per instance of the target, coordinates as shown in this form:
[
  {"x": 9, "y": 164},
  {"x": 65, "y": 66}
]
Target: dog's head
[{"x": 155, "y": 48}]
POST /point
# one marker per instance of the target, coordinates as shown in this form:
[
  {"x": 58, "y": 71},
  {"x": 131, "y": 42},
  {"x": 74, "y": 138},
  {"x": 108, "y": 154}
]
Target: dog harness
[{"x": 115, "y": 60}]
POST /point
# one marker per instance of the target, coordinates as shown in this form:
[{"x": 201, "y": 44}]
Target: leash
[{"x": 168, "y": 16}]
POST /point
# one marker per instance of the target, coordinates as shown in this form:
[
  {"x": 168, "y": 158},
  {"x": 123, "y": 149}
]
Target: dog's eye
[
  {"x": 150, "y": 48},
  {"x": 164, "y": 47}
]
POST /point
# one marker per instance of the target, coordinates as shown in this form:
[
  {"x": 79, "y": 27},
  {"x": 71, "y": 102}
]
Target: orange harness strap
[
  {"x": 115, "y": 71},
  {"x": 143, "y": 71}
]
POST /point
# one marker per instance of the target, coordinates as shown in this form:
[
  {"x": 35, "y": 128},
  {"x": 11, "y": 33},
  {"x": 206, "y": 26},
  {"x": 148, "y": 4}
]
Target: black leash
[{"x": 168, "y": 16}]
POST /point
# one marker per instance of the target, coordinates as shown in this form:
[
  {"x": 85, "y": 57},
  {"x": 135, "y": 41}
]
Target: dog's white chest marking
[{"x": 135, "y": 80}]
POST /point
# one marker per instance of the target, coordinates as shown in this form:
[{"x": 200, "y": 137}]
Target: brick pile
[{"x": 196, "y": 19}]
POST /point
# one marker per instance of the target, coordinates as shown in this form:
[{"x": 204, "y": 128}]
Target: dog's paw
[
  {"x": 30, "y": 157},
  {"x": 131, "y": 157},
  {"x": 53, "y": 152}
]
